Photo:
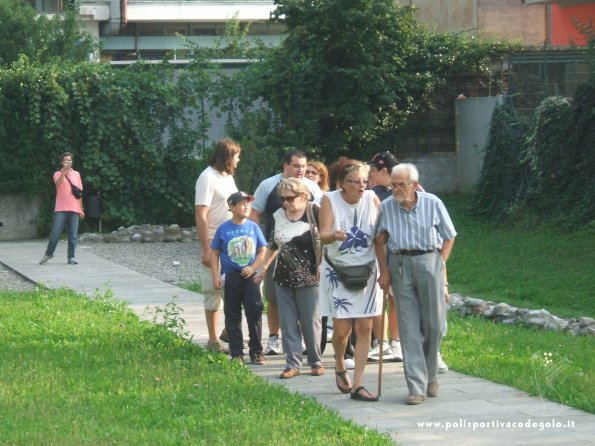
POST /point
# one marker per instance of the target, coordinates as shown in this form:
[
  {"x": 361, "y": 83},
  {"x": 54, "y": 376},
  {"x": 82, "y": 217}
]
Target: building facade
[{"x": 150, "y": 29}]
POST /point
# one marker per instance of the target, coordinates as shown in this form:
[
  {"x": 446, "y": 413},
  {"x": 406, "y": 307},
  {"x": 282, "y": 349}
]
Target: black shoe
[{"x": 357, "y": 395}]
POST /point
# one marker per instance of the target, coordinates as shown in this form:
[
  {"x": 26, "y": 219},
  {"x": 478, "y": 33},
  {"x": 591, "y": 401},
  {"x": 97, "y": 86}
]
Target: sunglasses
[{"x": 288, "y": 198}]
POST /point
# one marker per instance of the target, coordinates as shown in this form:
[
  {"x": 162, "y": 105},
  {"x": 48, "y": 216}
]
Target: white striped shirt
[{"x": 425, "y": 227}]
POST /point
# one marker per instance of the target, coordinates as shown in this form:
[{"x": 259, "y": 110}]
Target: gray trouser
[
  {"x": 298, "y": 307},
  {"x": 421, "y": 311},
  {"x": 268, "y": 284}
]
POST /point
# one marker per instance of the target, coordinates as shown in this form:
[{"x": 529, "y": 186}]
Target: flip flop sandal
[
  {"x": 357, "y": 395},
  {"x": 343, "y": 377}
]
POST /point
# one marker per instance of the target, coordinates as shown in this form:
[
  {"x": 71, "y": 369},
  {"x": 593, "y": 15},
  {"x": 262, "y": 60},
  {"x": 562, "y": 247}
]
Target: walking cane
[{"x": 381, "y": 342}]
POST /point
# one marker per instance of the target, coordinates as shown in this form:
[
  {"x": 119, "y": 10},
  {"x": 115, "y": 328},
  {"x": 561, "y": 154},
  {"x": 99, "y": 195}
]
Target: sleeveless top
[{"x": 358, "y": 221}]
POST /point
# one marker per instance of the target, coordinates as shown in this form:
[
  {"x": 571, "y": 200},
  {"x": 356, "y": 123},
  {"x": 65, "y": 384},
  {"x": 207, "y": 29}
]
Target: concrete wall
[
  {"x": 17, "y": 215},
  {"x": 437, "y": 172}
]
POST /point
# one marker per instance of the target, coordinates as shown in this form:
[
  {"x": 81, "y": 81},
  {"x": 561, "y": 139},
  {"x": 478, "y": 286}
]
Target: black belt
[{"x": 415, "y": 252}]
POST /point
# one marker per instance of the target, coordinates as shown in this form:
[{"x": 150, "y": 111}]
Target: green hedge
[
  {"x": 130, "y": 130},
  {"x": 542, "y": 173}
]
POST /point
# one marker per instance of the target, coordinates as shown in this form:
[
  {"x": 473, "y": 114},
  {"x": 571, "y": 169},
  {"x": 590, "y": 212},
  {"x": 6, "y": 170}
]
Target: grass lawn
[
  {"x": 511, "y": 355},
  {"x": 526, "y": 268},
  {"x": 76, "y": 371},
  {"x": 530, "y": 269}
]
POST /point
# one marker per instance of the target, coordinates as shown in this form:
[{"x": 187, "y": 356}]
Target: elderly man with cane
[{"x": 420, "y": 236}]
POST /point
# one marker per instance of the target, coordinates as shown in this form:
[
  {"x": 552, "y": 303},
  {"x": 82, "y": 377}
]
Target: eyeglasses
[
  {"x": 312, "y": 172},
  {"x": 298, "y": 166},
  {"x": 288, "y": 198},
  {"x": 364, "y": 182}
]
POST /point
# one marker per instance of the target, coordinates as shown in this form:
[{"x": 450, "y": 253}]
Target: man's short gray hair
[{"x": 409, "y": 168}]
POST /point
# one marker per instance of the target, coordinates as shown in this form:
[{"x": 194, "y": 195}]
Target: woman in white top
[{"x": 347, "y": 219}]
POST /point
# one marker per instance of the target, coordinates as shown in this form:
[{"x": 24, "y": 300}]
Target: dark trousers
[{"x": 238, "y": 291}]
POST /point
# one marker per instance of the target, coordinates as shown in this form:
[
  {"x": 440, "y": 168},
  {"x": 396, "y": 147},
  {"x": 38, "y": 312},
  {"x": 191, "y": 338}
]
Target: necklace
[{"x": 293, "y": 220}]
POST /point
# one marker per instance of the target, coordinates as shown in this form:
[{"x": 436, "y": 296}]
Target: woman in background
[{"x": 317, "y": 172}]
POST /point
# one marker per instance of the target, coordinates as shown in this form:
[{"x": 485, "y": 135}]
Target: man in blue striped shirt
[{"x": 420, "y": 235}]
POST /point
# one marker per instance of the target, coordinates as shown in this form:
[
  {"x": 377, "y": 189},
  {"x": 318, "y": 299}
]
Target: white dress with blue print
[{"x": 358, "y": 221}]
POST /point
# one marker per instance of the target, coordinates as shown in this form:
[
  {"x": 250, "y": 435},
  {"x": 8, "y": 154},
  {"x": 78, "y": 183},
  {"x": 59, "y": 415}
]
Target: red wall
[{"x": 563, "y": 30}]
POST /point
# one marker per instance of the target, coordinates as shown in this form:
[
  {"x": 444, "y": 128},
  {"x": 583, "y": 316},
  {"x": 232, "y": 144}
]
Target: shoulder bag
[
  {"x": 76, "y": 191},
  {"x": 354, "y": 277}
]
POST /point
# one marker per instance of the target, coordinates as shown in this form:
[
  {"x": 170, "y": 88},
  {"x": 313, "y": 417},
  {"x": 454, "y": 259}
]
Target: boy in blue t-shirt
[{"x": 240, "y": 247}]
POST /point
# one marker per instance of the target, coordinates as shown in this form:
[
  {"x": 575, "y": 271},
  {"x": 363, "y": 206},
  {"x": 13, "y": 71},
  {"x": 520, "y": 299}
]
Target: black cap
[
  {"x": 236, "y": 197},
  {"x": 384, "y": 159}
]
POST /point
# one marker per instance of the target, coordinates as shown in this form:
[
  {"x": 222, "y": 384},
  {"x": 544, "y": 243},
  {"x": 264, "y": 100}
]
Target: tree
[
  {"x": 40, "y": 39},
  {"x": 350, "y": 73},
  {"x": 339, "y": 68}
]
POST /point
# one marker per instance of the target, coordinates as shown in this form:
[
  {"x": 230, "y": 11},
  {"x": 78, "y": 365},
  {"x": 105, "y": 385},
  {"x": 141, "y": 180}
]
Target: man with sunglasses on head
[{"x": 267, "y": 202}]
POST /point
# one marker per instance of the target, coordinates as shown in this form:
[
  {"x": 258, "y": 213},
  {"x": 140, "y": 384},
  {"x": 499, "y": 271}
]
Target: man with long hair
[{"x": 213, "y": 186}]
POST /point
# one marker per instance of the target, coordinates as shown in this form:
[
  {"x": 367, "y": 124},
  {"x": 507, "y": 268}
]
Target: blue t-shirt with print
[{"x": 238, "y": 244}]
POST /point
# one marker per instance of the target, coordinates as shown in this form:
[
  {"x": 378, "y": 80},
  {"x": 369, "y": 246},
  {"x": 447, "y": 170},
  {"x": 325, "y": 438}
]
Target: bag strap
[
  {"x": 314, "y": 232},
  {"x": 71, "y": 185},
  {"x": 331, "y": 264}
]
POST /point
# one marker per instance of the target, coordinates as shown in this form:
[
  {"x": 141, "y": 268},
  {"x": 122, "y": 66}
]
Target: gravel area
[
  {"x": 152, "y": 259},
  {"x": 11, "y": 281}
]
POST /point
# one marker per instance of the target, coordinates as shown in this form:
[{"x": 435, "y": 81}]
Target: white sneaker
[
  {"x": 395, "y": 346},
  {"x": 374, "y": 354},
  {"x": 442, "y": 367},
  {"x": 273, "y": 346},
  {"x": 349, "y": 364}
]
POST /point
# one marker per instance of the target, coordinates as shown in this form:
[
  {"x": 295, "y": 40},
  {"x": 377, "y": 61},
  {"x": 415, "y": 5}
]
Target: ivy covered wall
[
  {"x": 132, "y": 132},
  {"x": 542, "y": 171}
]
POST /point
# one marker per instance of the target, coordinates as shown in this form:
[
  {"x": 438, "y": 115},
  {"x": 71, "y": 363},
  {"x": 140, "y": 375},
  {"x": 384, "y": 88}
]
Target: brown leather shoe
[
  {"x": 433, "y": 388},
  {"x": 412, "y": 400},
  {"x": 317, "y": 370},
  {"x": 289, "y": 373},
  {"x": 216, "y": 347}
]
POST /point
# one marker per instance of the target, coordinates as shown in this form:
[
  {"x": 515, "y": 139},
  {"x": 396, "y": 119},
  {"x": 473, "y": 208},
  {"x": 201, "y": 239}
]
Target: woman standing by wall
[{"x": 347, "y": 219}]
